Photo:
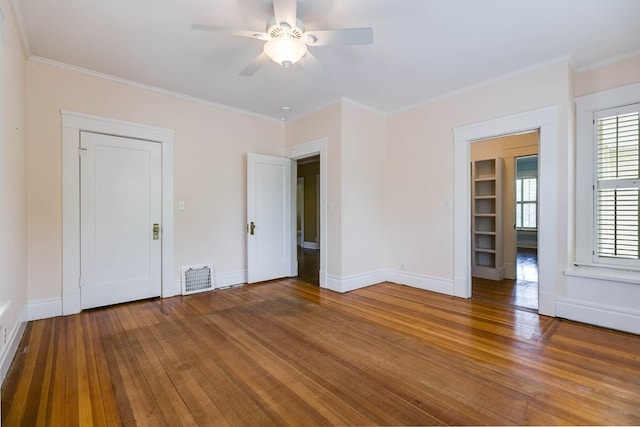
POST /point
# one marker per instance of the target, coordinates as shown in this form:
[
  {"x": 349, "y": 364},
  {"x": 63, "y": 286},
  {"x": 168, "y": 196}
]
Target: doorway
[
  {"x": 72, "y": 124},
  {"x": 504, "y": 212},
  {"x": 308, "y": 219}
]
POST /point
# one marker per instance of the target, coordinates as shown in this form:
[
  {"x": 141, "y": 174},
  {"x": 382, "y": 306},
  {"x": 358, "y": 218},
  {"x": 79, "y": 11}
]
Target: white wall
[
  {"x": 363, "y": 233},
  {"x": 210, "y": 170},
  {"x": 355, "y": 196},
  {"x": 420, "y": 169},
  {"x": 325, "y": 123},
  {"x": 13, "y": 228}
]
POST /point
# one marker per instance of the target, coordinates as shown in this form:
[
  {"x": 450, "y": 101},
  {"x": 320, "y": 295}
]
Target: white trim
[
  {"x": 320, "y": 107},
  {"x": 231, "y": 278},
  {"x": 421, "y": 281},
  {"x": 414, "y": 280},
  {"x": 72, "y": 124},
  {"x": 600, "y": 272},
  {"x": 74, "y": 119},
  {"x": 355, "y": 281},
  {"x": 366, "y": 107},
  {"x": 629, "y": 94},
  {"x": 3, "y": 39},
  {"x": 310, "y": 245},
  {"x": 10, "y": 349},
  {"x": 148, "y": 87},
  {"x": 224, "y": 280},
  {"x": 44, "y": 308},
  {"x": 599, "y": 314},
  {"x": 362, "y": 280},
  {"x": 301, "y": 151},
  {"x": 18, "y": 21},
  {"x": 586, "y": 106},
  {"x": 545, "y": 119},
  {"x": 607, "y": 61},
  {"x": 299, "y": 180}
]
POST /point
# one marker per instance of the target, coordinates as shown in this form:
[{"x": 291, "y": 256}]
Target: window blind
[
  {"x": 618, "y": 189},
  {"x": 526, "y": 202}
]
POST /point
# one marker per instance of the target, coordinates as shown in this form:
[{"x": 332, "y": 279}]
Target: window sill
[{"x": 614, "y": 274}]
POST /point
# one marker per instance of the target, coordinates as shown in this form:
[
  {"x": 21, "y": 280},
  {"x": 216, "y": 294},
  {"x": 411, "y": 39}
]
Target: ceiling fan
[{"x": 287, "y": 41}]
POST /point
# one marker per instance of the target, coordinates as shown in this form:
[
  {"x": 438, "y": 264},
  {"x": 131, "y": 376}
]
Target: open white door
[
  {"x": 120, "y": 210},
  {"x": 268, "y": 217}
]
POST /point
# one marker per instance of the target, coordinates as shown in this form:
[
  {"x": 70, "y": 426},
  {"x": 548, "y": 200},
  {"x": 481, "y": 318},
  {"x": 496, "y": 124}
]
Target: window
[
  {"x": 526, "y": 202},
  {"x": 617, "y": 187},
  {"x": 607, "y": 179}
]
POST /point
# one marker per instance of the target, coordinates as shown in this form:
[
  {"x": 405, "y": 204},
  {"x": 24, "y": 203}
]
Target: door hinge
[
  {"x": 81, "y": 283},
  {"x": 81, "y": 151}
]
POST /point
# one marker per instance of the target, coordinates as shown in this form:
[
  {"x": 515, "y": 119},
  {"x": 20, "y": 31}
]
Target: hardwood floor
[
  {"x": 521, "y": 292},
  {"x": 309, "y": 265},
  {"x": 289, "y": 353}
]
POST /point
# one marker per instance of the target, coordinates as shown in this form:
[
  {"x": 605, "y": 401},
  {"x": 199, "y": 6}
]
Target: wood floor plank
[{"x": 288, "y": 353}]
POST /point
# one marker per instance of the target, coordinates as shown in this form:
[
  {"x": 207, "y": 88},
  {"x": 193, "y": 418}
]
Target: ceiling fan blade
[
  {"x": 337, "y": 37},
  {"x": 255, "y": 65},
  {"x": 311, "y": 63},
  {"x": 285, "y": 11},
  {"x": 231, "y": 31}
]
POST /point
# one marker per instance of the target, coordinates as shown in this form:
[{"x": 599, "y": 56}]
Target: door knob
[{"x": 156, "y": 231}]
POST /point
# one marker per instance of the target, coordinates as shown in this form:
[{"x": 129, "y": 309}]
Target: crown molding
[
  {"x": 18, "y": 20},
  {"x": 608, "y": 61},
  {"x": 485, "y": 83},
  {"x": 147, "y": 87}
]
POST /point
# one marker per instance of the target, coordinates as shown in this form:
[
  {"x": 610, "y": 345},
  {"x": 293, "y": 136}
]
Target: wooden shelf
[{"x": 486, "y": 216}]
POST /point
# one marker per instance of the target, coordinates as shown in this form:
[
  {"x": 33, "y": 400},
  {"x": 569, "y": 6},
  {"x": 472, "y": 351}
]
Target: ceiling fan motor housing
[{"x": 284, "y": 29}]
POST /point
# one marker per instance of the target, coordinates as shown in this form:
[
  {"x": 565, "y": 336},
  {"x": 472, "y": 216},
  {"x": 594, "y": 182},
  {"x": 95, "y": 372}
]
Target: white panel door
[
  {"x": 269, "y": 223},
  {"x": 120, "y": 202}
]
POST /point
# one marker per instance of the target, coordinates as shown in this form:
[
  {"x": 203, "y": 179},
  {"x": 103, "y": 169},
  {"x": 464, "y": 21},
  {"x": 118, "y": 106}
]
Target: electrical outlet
[{"x": 402, "y": 266}]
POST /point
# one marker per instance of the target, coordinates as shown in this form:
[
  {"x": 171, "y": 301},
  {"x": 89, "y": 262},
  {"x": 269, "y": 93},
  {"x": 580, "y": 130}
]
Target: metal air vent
[{"x": 197, "y": 278}]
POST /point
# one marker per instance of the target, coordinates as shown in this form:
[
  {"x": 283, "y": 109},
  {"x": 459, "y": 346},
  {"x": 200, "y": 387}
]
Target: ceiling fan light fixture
[{"x": 285, "y": 50}]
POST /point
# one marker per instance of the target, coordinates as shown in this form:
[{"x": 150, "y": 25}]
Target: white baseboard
[
  {"x": 310, "y": 245},
  {"x": 222, "y": 280},
  {"x": 355, "y": 281},
  {"x": 231, "y": 278},
  {"x": 421, "y": 281},
  {"x": 11, "y": 347},
  {"x": 546, "y": 304},
  {"x": 44, "y": 308},
  {"x": 509, "y": 270},
  {"x": 600, "y": 315},
  {"x": 171, "y": 288}
]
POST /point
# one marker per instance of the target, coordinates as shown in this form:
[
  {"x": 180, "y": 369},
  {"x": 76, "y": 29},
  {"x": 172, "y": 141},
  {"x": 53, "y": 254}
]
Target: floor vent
[{"x": 197, "y": 278}]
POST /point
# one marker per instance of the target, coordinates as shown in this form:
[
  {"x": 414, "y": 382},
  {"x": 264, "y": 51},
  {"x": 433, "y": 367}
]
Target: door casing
[
  {"x": 72, "y": 123},
  {"x": 308, "y": 149},
  {"x": 546, "y": 121}
]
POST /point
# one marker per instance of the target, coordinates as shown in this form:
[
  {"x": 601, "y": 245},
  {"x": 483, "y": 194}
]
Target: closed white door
[
  {"x": 269, "y": 217},
  {"x": 120, "y": 219}
]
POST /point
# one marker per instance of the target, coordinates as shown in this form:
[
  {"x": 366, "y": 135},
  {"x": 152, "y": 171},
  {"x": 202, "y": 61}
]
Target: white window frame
[
  {"x": 523, "y": 203},
  {"x": 586, "y": 174}
]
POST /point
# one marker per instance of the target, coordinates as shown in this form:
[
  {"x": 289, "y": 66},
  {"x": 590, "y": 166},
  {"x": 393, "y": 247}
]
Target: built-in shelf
[{"x": 486, "y": 221}]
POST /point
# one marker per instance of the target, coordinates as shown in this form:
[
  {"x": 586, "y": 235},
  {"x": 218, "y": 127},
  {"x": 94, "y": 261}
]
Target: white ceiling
[{"x": 422, "y": 48}]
